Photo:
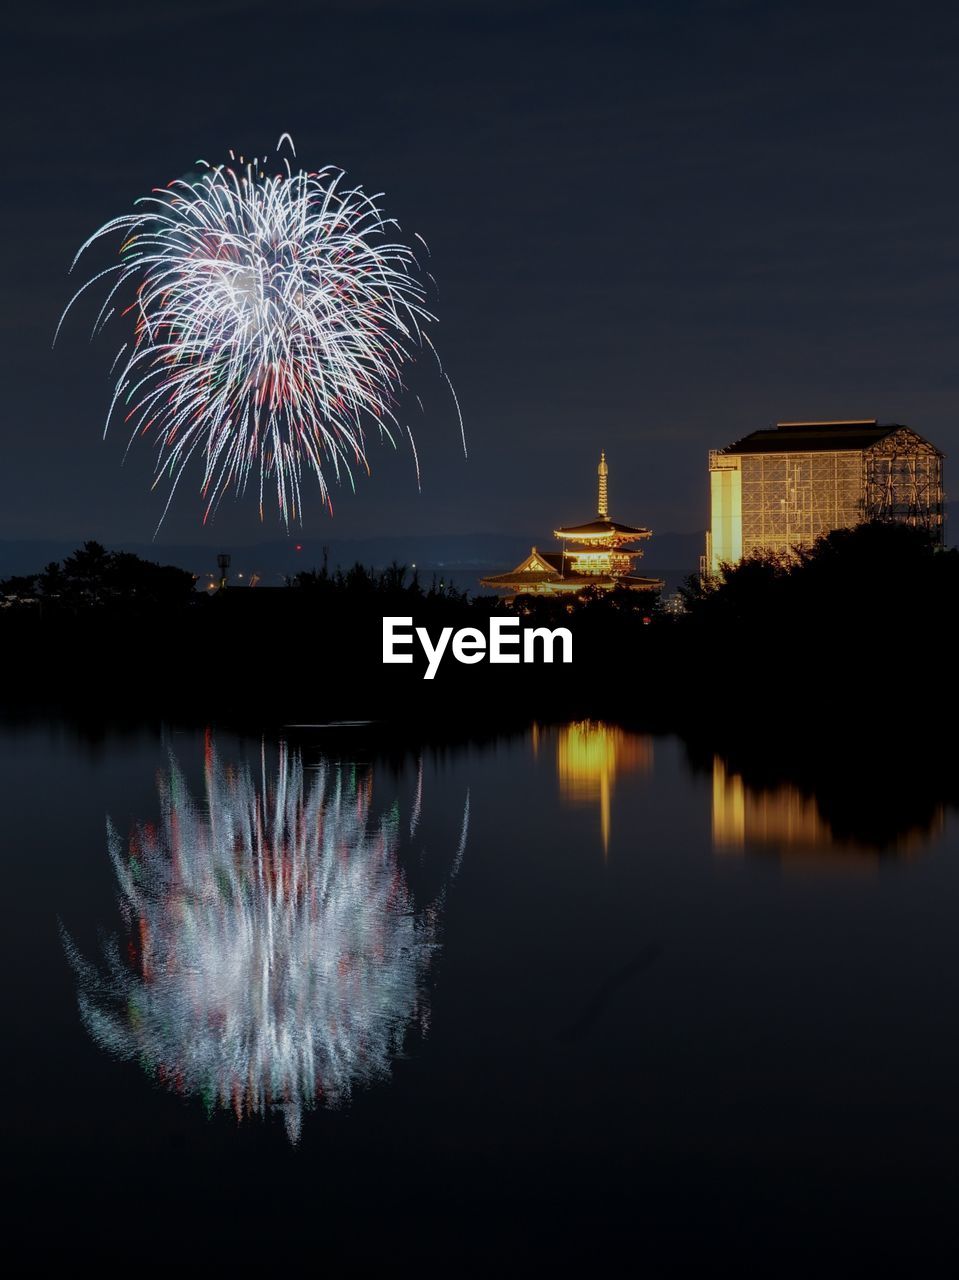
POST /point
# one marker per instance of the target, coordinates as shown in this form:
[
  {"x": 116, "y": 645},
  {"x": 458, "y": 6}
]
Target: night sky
[{"x": 655, "y": 227}]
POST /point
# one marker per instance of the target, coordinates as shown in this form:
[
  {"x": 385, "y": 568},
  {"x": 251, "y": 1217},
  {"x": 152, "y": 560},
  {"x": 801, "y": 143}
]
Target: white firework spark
[{"x": 274, "y": 313}]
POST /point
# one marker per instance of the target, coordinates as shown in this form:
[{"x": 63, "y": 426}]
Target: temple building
[
  {"x": 778, "y": 489},
  {"x": 598, "y": 554}
]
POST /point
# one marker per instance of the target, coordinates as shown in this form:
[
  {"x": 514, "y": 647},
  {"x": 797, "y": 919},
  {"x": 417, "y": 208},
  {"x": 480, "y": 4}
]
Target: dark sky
[{"x": 654, "y": 226}]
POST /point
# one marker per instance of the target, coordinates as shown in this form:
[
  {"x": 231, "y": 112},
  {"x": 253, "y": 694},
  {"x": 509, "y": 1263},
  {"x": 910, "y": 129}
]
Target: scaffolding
[
  {"x": 789, "y": 500},
  {"x": 776, "y": 491},
  {"x": 902, "y": 480}
]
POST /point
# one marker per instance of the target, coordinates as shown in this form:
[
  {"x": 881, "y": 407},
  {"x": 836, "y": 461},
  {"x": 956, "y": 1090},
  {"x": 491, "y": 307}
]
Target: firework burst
[
  {"x": 273, "y": 313},
  {"x": 275, "y": 955}
]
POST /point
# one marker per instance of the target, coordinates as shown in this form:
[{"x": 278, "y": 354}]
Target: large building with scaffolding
[{"x": 782, "y": 488}]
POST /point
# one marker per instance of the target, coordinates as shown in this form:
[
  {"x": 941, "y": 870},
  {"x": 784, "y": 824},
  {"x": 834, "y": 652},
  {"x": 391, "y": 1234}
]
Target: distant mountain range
[{"x": 460, "y": 559}]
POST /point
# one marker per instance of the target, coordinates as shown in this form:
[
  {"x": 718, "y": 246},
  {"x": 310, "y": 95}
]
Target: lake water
[{"x": 557, "y": 994}]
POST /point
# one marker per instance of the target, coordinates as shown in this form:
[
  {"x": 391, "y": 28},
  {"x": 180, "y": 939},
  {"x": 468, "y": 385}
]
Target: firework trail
[
  {"x": 276, "y": 957},
  {"x": 273, "y": 315}
]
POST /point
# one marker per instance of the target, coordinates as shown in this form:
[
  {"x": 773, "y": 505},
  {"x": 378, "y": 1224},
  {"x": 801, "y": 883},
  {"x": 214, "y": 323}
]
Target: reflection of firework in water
[{"x": 276, "y": 956}]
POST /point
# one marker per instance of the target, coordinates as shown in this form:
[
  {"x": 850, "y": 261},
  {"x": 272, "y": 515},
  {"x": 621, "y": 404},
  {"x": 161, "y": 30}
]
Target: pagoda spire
[{"x": 603, "y": 473}]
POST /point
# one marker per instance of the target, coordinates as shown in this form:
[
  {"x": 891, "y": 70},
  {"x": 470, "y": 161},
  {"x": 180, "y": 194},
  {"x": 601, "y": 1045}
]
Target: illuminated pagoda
[{"x": 598, "y": 555}]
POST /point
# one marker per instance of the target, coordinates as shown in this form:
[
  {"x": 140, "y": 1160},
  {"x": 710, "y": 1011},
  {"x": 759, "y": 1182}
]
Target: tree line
[
  {"x": 93, "y": 577},
  {"x": 877, "y": 575}
]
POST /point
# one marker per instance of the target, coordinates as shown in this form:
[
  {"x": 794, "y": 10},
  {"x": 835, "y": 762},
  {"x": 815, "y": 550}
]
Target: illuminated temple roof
[
  {"x": 554, "y": 568},
  {"x": 600, "y": 528},
  {"x": 595, "y": 554}
]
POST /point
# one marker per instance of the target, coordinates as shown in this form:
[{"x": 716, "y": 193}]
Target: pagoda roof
[
  {"x": 539, "y": 566},
  {"x": 515, "y": 579},
  {"x": 572, "y": 581},
  {"x": 585, "y": 545},
  {"x": 599, "y": 528},
  {"x": 553, "y": 567}
]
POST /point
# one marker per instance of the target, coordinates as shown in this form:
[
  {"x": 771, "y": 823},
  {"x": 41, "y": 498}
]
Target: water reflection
[
  {"x": 275, "y": 956},
  {"x": 590, "y": 755},
  {"x": 781, "y": 818}
]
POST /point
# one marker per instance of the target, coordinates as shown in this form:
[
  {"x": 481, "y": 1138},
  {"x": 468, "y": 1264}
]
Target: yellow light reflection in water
[
  {"x": 783, "y": 820},
  {"x": 589, "y": 756}
]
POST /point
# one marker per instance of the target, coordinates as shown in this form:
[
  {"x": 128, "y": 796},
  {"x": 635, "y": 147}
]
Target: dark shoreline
[{"x": 857, "y": 729}]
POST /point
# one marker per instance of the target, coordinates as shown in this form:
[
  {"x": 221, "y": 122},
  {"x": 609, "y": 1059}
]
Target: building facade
[
  {"x": 598, "y": 554},
  {"x": 779, "y": 489}
]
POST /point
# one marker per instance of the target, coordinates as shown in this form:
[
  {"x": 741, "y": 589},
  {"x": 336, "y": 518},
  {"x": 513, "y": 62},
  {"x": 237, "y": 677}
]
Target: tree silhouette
[{"x": 93, "y": 577}]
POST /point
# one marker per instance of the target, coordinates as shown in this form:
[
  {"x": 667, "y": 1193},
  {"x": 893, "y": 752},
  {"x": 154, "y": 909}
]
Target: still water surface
[{"x": 558, "y": 991}]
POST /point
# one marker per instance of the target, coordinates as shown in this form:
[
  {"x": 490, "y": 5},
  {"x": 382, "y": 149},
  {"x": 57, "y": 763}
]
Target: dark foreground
[
  {"x": 852, "y": 638},
  {"x": 683, "y": 1002},
  {"x": 652, "y": 956}
]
